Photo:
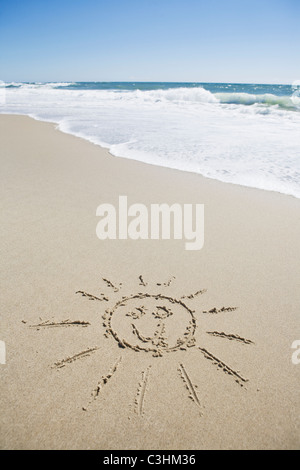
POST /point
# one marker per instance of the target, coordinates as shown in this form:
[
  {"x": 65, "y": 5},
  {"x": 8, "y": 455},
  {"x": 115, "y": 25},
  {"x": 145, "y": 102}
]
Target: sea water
[{"x": 237, "y": 133}]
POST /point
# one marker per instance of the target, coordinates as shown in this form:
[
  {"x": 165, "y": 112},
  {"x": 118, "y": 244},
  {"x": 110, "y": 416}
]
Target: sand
[{"x": 68, "y": 383}]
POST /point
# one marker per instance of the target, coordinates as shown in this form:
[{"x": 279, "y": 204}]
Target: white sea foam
[{"x": 247, "y": 139}]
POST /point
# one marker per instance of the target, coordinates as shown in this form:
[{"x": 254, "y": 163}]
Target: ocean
[{"x": 246, "y": 134}]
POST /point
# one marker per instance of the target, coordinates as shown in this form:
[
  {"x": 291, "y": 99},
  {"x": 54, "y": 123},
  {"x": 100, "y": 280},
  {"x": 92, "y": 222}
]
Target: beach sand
[{"x": 224, "y": 392}]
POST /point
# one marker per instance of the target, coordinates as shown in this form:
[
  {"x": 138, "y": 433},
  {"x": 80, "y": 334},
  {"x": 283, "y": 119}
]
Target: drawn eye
[
  {"x": 138, "y": 312},
  {"x": 162, "y": 312}
]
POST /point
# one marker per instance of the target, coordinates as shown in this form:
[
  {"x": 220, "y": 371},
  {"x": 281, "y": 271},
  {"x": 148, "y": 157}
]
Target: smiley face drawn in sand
[{"x": 153, "y": 323}]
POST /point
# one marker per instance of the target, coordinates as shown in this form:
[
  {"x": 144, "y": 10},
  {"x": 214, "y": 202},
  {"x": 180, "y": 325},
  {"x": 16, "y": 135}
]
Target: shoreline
[
  {"x": 51, "y": 258},
  {"x": 86, "y": 139}
]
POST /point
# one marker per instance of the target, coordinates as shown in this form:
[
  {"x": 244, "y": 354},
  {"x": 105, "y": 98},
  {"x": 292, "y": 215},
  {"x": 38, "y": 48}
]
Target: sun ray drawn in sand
[{"x": 154, "y": 324}]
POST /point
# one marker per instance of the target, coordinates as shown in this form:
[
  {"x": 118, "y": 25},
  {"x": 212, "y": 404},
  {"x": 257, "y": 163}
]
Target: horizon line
[{"x": 147, "y": 81}]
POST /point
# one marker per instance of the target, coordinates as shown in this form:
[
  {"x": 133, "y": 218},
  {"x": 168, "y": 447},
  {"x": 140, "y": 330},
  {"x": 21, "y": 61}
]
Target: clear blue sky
[{"x": 150, "y": 40}]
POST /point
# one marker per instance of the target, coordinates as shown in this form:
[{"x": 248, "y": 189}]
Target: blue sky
[{"x": 150, "y": 40}]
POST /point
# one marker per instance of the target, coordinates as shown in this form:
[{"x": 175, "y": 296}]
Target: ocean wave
[
  {"x": 285, "y": 102},
  {"x": 58, "y": 84},
  {"x": 192, "y": 95},
  {"x": 37, "y": 85}
]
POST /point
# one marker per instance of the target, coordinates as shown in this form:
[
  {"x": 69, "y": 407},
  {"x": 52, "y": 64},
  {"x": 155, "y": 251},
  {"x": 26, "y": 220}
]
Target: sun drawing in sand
[{"x": 150, "y": 323}]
